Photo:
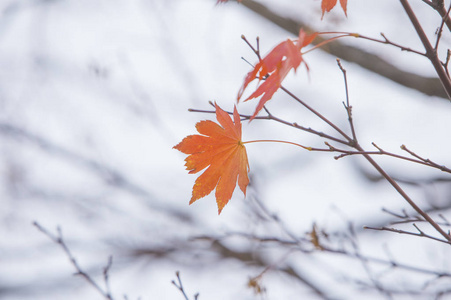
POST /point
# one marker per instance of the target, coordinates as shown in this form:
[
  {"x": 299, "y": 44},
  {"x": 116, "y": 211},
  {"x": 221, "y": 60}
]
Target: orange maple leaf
[
  {"x": 327, "y": 5},
  {"x": 219, "y": 147},
  {"x": 275, "y": 67}
]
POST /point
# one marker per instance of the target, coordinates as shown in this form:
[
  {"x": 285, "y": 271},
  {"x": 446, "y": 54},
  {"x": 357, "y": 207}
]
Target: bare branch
[
  {"x": 60, "y": 241},
  {"x": 279, "y": 120},
  {"x": 420, "y": 233},
  {"x": 426, "y": 161},
  {"x": 347, "y": 106},
  {"x": 427, "y": 85},
  {"x": 179, "y": 286}
]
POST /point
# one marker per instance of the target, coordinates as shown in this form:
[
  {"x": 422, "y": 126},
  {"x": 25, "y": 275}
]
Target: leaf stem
[
  {"x": 283, "y": 142},
  {"x": 327, "y": 41}
]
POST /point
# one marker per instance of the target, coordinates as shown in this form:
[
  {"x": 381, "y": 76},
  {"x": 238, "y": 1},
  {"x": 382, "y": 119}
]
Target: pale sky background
[{"x": 94, "y": 95}]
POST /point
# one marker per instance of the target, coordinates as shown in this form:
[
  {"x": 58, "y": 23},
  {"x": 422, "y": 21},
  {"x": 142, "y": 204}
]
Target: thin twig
[
  {"x": 347, "y": 106},
  {"x": 420, "y": 233},
  {"x": 300, "y": 243},
  {"x": 418, "y": 160},
  {"x": 179, "y": 286},
  {"x": 60, "y": 241},
  {"x": 446, "y": 63},
  {"x": 389, "y": 42},
  {"x": 106, "y": 274},
  {"x": 426, "y": 161},
  {"x": 439, "y": 6},
  {"x": 404, "y": 215},
  {"x": 440, "y": 30},
  {"x": 319, "y": 115},
  {"x": 407, "y": 218},
  {"x": 255, "y": 50},
  {"x": 403, "y": 194},
  {"x": 300, "y": 246},
  {"x": 371, "y": 277}
]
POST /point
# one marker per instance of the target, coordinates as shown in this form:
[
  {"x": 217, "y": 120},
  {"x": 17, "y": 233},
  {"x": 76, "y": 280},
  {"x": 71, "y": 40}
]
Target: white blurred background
[{"x": 94, "y": 95}]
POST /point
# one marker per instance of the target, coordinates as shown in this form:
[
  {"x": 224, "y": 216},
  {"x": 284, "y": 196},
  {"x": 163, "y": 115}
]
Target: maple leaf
[
  {"x": 327, "y": 5},
  {"x": 219, "y": 147},
  {"x": 275, "y": 67}
]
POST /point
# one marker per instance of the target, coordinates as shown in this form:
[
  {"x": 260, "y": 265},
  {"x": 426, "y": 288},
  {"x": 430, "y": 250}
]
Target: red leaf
[
  {"x": 275, "y": 67},
  {"x": 344, "y": 4},
  {"x": 327, "y": 5},
  {"x": 219, "y": 148}
]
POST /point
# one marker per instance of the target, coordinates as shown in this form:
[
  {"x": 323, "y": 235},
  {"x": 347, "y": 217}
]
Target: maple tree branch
[
  {"x": 369, "y": 61},
  {"x": 426, "y": 161},
  {"x": 431, "y": 53},
  {"x": 256, "y": 258},
  {"x": 270, "y": 116},
  {"x": 295, "y": 239},
  {"x": 274, "y": 118},
  {"x": 439, "y": 32},
  {"x": 429, "y": 3},
  {"x": 445, "y": 64},
  {"x": 320, "y": 242},
  {"x": 255, "y": 50},
  {"x": 418, "y": 160},
  {"x": 386, "y": 41},
  {"x": 347, "y": 106},
  {"x": 445, "y": 19},
  {"x": 398, "y": 188},
  {"x": 322, "y": 247},
  {"x": 58, "y": 239},
  {"x": 439, "y": 6},
  {"x": 407, "y": 218},
  {"x": 355, "y": 144},
  {"x": 317, "y": 240},
  {"x": 319, "y": 115},
  {"x": 445, "y": 14},
  {"x": 420, "y": 233},
  {"x": 310, "y": 130},
  {"x": 179, "y": 286}
]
